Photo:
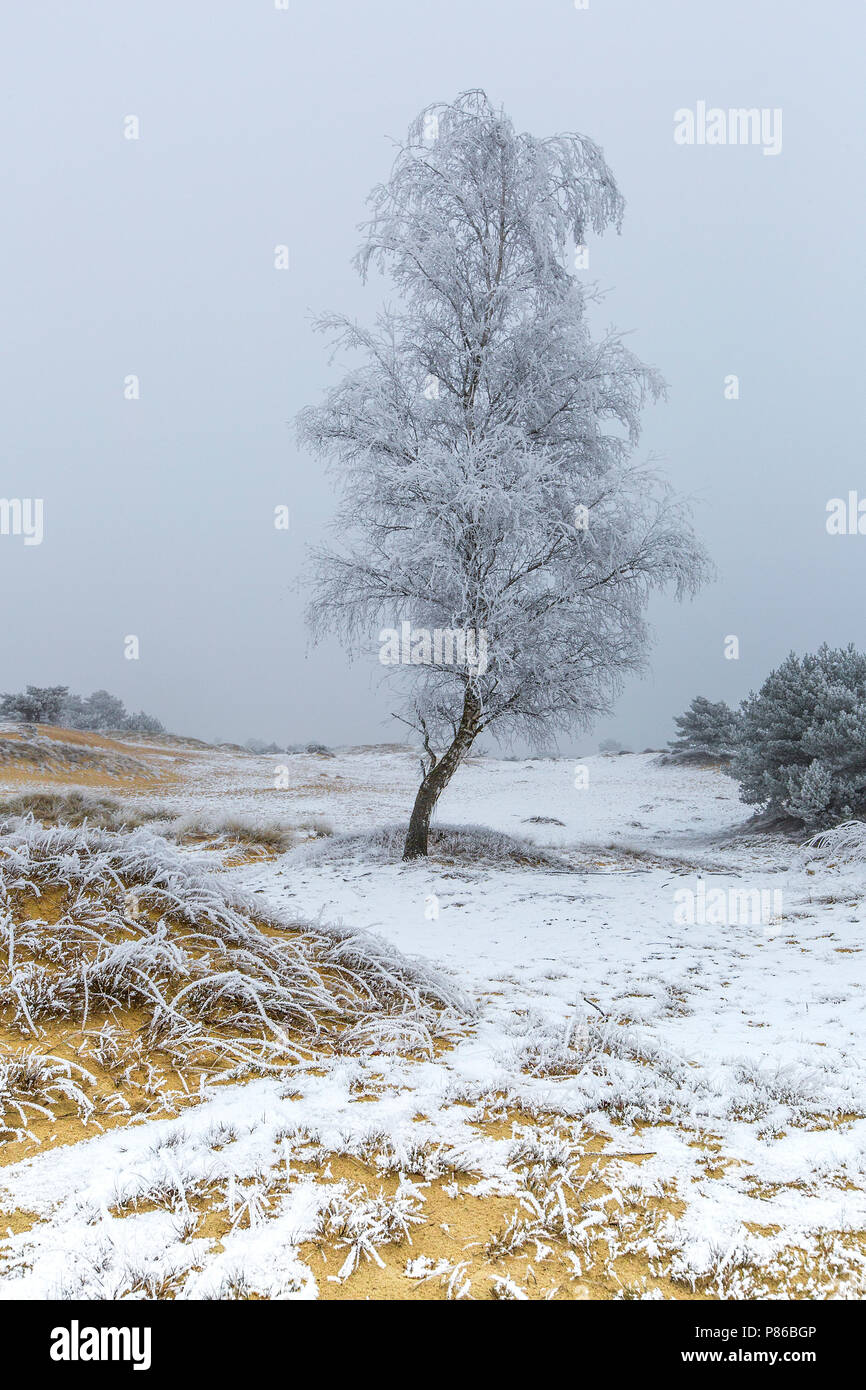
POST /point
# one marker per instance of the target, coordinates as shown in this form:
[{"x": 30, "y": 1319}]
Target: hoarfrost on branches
[
  {"x": 803, "y": 745},
  {"x": 484, "y": 445}
]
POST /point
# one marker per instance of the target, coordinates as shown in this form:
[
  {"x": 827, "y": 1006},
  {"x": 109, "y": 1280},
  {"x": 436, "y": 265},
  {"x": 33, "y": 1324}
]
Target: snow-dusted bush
[
  {"x": 100, "y": 712},
  {"x": 142, "y": 723},
  {"x": 802, "y": 750},
  {"x": 37, "y": 705},
  {"x": 707, "y": 729}
]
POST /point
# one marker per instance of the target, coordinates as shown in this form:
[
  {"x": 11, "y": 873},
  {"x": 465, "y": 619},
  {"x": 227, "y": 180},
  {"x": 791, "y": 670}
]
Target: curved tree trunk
[{"x": 439, "y": 776}]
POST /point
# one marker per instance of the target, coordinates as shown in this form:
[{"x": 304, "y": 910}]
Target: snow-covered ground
[{"x": 630, "y": 991}]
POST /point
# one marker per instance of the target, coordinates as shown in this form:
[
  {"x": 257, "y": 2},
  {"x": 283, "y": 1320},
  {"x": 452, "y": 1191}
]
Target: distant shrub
[
  {"x": 707, "y": 728},
  {"x": 258, "y": 745},
  {"x": 96, "y": 712},
  {"x": 39, "y": 704},
  {"x": 142, "y": 723}
]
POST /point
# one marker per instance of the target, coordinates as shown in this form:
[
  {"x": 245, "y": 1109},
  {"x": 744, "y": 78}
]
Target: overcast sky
[{"x": 260, "y": 127}]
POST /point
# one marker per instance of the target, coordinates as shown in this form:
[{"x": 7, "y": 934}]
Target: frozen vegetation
[{"x": 566, "y": 1055}]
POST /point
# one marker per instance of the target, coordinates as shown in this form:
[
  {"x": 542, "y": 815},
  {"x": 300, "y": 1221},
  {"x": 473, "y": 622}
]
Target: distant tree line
[
  {"x": 260, "y": 745},
  {"x": 798, "y": 746},
  {"x": 53, "y": 704}
]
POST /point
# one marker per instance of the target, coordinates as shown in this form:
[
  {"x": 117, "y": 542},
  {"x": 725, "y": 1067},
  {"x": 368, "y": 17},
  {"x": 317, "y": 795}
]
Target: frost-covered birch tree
[{"x": 484, "y": 448}]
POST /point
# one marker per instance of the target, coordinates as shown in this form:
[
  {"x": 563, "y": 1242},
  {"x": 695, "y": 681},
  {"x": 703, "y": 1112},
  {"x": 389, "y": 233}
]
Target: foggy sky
[{"x": 260, "y": 127}]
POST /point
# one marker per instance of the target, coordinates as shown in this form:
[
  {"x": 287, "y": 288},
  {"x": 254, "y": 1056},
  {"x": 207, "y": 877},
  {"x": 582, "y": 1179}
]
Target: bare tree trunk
[{"x": 439, "y": 776}]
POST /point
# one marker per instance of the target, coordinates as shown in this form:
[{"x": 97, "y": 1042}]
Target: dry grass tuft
[
  {"x": 214, "y": 828},
  {"x": 117, "y": 943},
  {"x": 470, "y": 846}
]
